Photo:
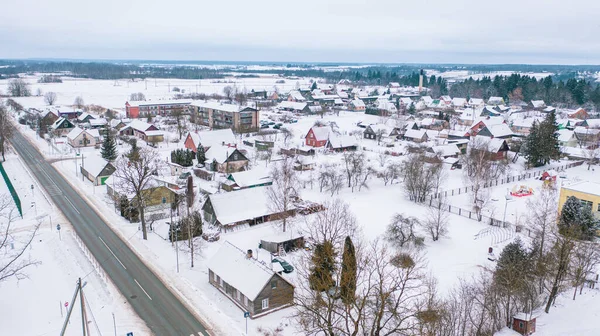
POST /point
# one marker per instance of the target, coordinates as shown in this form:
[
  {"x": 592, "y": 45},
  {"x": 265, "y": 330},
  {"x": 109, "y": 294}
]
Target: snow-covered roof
[
  {"x": 291, "y": 105},
  {"x": 341, "y": 141},
  {"x": 247, "y": 275},
  {"x": 154, "y": 133},
  {"x": 525, "y": 122},
  {"x": 215, "y": 105},
  {"x": 98, "y": 122},
  {"x": 538, "y": 103},
  {"x": 94, "y": 133},
  {"x": 493, "y": 144},
  {"x": 74, "y": 133},
  {"x": 85, "y": 115},
  {"x": 446, "y": 150},
  {"x": 233, "y": 207},
  {"x": 490, "y": 121},
  {"x": 315, "y": 108},
  {"x": 475, "y": 101},
  {"x": 251, "y": 177},
  {"x": 342, "y": 94},
  {"x": 565, "y": 135},
  {"x": 297, "y": 95},
  {"x": 58, "y": 122},
  {"x": 358, "y": 103},
  {"x": 586, "y": 131},
  {"x": 500, "y": 130},
  {"x": 218, "y": 153},
  {"x": 94, "y": 165},
  {"x": 161, "y": 102},
  {"x": 406, "y": 101},
  {"x": 116, "y": 122},
  {"x": 381, "y": 128},
  {"x": 495, "y": 100},
  {"x": 414, "y": 134},
  {"x": 214, "y": 137},
  {"x": 321, "y": 132},
  {"x": 459, "y": 101},
  {"x": 427, "y": 99},
  {"x": 139, "y": 125}
]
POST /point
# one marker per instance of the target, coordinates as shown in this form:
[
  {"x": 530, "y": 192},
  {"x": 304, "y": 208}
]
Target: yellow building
[{"x": 588, "y": 193}]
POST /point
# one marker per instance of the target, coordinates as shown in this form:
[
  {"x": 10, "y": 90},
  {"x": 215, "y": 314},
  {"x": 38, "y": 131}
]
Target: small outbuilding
[
  {"x": 524, "y": 324},
  {"x": 97, "y": 170},
  {"x": 282, "y": 243}
]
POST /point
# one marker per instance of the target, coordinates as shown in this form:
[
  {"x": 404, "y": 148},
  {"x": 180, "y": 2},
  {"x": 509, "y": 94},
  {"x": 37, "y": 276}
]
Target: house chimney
[{"x": 249, "y": 254}]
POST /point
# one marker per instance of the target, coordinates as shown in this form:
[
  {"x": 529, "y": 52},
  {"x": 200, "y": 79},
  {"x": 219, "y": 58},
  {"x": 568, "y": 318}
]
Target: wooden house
[
  {"x": 143, "y": 130},
  {"x": 97, "y": 170},
  {"x": 251, "y": 285},
  {"x": 342, "y": 143},
  {"x": 226, "y": 159},
  {"x": 294, "y": 107},
  {"x": 580, "y": 113},
  {"x": 78, "y": 137},
  {"x": 496, "y": 147},
  {"x": 282, "y": 242},
  {"x": 62, "y": 126},
  {"x": 253, "y": 178},
  {"x": 244, "y": 207},
  {"x": 85, "y": 117},
  {"x": 356, "y": 105},
  {"x": 417, "y": 136},
  {"x": 220, "y": 137},
  {"x": 379, "y": 131},
  {"x": 317, "y": 136}
]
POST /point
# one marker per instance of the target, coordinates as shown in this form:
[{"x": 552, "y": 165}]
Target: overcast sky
[{"x": 425, "y": 31}]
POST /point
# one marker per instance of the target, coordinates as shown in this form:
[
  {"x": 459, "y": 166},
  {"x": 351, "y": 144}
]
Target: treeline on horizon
[{"x": 565, "y": 86}]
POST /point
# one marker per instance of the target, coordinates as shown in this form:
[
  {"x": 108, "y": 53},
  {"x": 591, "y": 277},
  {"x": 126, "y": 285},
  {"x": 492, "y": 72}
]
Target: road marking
[
  {"x": 142, "y": 289},
  {"x": 73, "y": 205},
  {"x": 111, "y": 252}
]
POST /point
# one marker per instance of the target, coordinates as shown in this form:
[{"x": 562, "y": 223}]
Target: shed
[
  {"x": 97, "y": 170},
  {"x": 282, "y": 242},
  {"x": 524, "y": 324}
]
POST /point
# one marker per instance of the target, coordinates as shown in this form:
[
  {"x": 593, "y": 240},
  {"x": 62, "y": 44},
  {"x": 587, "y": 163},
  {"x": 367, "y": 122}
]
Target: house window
[
  {"x": 220, "y": 281},
  {"x": 239, "y": 295},
  {"x": 164, "y": 200},
  {"x": 215, "y": 277},
  {"x": 235, "y": 157},
  {"x": 586, "y": 204},
  {"x": 598, "y": 207},
  {"x": 245, "y": 300},
  {"x": 265, "y": 303},
  {"x": 80, "y": 142},
  {"x": 521, "y": 325},
  {"x": 273, "y": 283}
]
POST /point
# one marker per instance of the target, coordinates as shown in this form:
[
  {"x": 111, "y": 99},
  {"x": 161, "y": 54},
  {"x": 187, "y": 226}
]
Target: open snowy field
[{"x": 114, "y": 93}]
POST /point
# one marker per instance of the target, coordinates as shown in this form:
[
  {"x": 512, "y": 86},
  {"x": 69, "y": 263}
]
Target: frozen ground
[{"x": 35, "y": 305}]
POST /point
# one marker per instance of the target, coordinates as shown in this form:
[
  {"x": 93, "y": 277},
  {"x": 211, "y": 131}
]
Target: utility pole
[
  {"x": 83, "y": 317},
  {"x": 82, "y": 166},
  {"x": 114, "y": 323}
]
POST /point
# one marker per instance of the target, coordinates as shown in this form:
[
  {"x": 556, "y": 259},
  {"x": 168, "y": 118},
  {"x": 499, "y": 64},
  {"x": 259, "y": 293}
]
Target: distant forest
[{"x": 568, "y": 86}]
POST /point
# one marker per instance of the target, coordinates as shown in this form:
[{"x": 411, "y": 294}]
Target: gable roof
[
  {"x": 500, "y": 130},
  {"x": 357, "y": 102},
  {"x": 140, "y": 125},
  {"x": 213, "y": 138},
  {"x": 459, "y": 101},
  {"x": 98, "y": 122},
  {"x": 251, "y": 177},
  {"x": 297, "y": 95},
  {"x": 565, "y": 135},
  {"x": 321, "y": 132},
  {"x": 342, "y": 141},
  {"x": 475, "y": 101},
  {"x": 538, "y": 103},
  {"x": 494, "y": 144},
  {"x": 233, "y": 207},
  {"x": 160, "y": 102},
  {"x": 94, "y": 165},
  {"x": 85, "y": 115},
  {"x": 292, "y": 105},
  {"x": 446, "y": 150},
  {"x": 415, "y": 134},
  {"x": 220, "y": 153},
  {"x": 60, "y": 121},
  {"x": 75, "y": 132},
  {"x": 247, "y": 275}
]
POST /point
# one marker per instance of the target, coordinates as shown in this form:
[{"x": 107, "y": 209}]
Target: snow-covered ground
[{"x": 36, "y": 305}]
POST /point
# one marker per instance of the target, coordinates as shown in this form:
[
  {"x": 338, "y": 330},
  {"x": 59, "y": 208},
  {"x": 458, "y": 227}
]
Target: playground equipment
[{"x": 521, "y": 190}]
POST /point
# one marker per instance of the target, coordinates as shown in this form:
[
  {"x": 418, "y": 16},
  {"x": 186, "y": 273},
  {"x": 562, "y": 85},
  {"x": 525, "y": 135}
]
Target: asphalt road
[{"x": 162, "y": 311}]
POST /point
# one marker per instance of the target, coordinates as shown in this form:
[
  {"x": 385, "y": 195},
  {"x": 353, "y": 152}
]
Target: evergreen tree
[
  {"x": 570, "y": 212},
  {"x": 323, "y": 266},
  {"x": 214, "y": 165},
  {"x": 548, "y": 139},
  {"x": 109, "y": 148},
  {"x": 577, "y": 219},
  {"x": 531, "y": 146},
  {"x": 512, "y": 274},
  {"x": 314, "y": 86},
  {"x": 200, "y": 154},
  {"x": 348, "y": 276}
]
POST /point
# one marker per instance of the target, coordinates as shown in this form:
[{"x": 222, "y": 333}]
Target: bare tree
[
  {"x": 333, "y": 224},
  {"x": 13, "y": 246},
  {"x": 179, "y": 118},
  {"x": 228, "y": 92},
  {"x": 420, "y": 178},
  {"x": 401, "y": 230},
  {"x": 134, "y": 176},
  {"x": 50, "y": 98},
  {"x": 287, "y": 134},
  {"x": 382, "y": 158},
  {"x": 585, "y": 260},
  {"x": 6, "y": 129},
  {"x": 78, "y": 103},
  {"x": 391, "y": 173},
  {"x": 541, "y": 222},
  {"x": 559, "y": 262},
  {"x": 38, "y": 92},
  {"x": 480, "y": 169},
  {"x": 19, "y": 88},
  {"x": 436, "y": 220},
  {"x": 354, "y": 164},
  {"x": 13, "y": 105},
  {"x": 591, "y": 156},
  {"x": 137, "y": 96},
  {"x": 284, "y": 189}
]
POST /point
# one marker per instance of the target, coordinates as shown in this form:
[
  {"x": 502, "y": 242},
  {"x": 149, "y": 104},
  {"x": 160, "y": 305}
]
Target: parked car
[
  {"x": 278, "y": 126},
  {"x": 287, "y": 268},
  {"x": 264, "y": 126}
]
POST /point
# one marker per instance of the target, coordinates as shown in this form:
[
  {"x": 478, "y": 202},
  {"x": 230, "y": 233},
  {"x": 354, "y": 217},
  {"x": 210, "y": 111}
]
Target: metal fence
[
  {"x": 510, "y": 179},
  {"x": 471, "y": 214},
  {"x": 12, "y": 190}
]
